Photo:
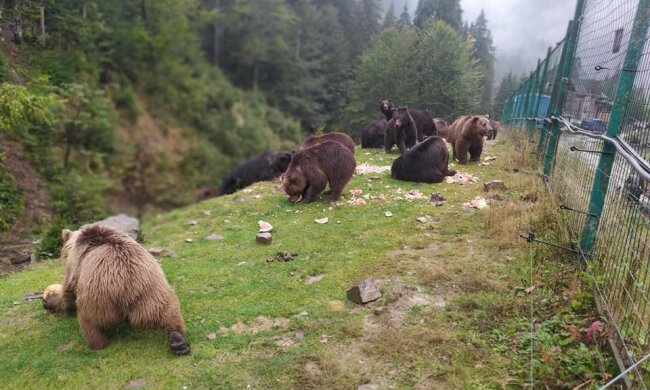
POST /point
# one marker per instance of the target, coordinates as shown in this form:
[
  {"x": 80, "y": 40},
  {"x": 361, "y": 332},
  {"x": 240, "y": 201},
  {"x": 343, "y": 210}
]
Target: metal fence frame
[{"x": 600, "y": 175}]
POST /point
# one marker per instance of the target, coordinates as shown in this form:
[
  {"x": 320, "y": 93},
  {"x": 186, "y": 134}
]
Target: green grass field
[{"x": 452, "y": 312}]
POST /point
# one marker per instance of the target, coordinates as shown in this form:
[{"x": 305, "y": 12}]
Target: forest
[{"x": 134, "y": 105}]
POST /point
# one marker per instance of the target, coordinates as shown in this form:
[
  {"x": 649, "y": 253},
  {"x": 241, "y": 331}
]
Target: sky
[{"x": 522, "y": 30}]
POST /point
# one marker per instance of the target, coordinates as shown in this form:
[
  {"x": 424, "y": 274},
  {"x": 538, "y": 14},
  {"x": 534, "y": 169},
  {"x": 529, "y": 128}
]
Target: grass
[{"x": 453, "y": 312}]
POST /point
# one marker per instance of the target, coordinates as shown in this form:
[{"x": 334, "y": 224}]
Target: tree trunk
[
  {"x": 42, "y": 26},
  {"x": 18, "y": 25}
]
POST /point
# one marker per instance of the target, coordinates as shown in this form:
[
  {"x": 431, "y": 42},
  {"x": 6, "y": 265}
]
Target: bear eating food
[
  {"x": 426, "y": 162},
  {"x": 311, "y": 169},
  {"x": 110, "y": 278}
]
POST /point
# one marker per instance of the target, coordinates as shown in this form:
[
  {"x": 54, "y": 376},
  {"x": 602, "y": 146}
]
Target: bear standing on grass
[
  {"x": 110, "y": 278},
  {"x": 426, "y": 162},
  {"x": 311, "y": 169},
  {"x": 466, "y": 135},
  {"x": 422, "y": 118},
  {"x": 401, "y": 131},
  {"x": 341, "y": 138}
]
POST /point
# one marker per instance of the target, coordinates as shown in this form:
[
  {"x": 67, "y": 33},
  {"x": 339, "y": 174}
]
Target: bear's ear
[
  {"x": 475, "y": 119},
  {"x": 65, "y": 235}
]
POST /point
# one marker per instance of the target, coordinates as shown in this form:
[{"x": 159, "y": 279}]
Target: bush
[
  {"x": 4, "y": 70},
  {"x": 11, "y": 200}
]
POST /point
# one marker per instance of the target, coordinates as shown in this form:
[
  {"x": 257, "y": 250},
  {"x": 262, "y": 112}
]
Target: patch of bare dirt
[
  {"x": 260, "y": 324},
  {"x": 402, "y": 297}
]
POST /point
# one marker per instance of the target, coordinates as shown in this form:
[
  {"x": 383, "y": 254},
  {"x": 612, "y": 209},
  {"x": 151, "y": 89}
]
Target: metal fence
[{"x": 587, "y": 104}]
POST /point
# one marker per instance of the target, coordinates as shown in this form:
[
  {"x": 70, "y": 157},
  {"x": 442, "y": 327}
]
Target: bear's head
[
  {"x": 387, "y": 107},
  {"x": 294, "y": 183},
  {"x": 402, "y": 117},
  {"x": 481, "y": 125}
]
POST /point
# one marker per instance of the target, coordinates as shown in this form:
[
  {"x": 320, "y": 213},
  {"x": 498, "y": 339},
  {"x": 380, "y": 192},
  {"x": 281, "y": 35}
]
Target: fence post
[
  {"x": 534, "y": 99},
  {"x": 619, "y": 107},
  {"x": 524, "y": 110},
  {"x": 517, "y": 104},
  {"x": 542, "y": 87}
]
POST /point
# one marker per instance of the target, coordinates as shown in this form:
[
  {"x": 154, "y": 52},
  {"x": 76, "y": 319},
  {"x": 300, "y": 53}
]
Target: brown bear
[
  {"x": 491, "y": 135},
  {"x": 373, "y": 134},
  {"x": 401, "y": 131},
  {"x": 341, "y": 138},
  {"x": 110, "y": 278},
  {"x": 426, "y": 162},
  {"x": 441, "y": 127},
  {"x": 421, "y": 118},
  {"x": 313, "y": 168},
  {"x": 466, "y": 135}
]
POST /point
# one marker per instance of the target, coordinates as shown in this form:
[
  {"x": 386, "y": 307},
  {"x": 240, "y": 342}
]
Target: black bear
[
  {"x": 266, "y": 166},
  {"x": 401, "y": 130},
  {"x": 373, "y": 134},
  {"x": 422, "y": 118},
  {"x": 313, "y": 168},
  {"x": 426, "y": 162}
]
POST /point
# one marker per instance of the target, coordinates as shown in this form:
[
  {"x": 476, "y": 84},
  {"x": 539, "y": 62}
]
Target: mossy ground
[{"x": 452, "y": 315}]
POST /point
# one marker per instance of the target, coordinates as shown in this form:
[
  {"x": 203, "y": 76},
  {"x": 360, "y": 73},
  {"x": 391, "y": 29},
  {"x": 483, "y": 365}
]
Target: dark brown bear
[
  {"x": 110, "y": 278},
  {"x": 373, "y": 134},
  {"x": 401, "y": 131},
  {"x": 341, "y": 138},
  {"x": 313, "y": 168},
  {"x": 495, "y": 128},
  {"x": 422, "y": 118},
  {"x": 441, "y": 127},
  {"x": 426, "y": 162},
  {"x": 466, "y": 135}
]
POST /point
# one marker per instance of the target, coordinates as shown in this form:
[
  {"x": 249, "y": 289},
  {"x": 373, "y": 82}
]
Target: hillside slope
[{"x": 453, "y": 313}]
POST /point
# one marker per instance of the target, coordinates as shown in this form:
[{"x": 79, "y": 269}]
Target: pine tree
[
  {"x": 449, "y": 11},
  {"x": 483, "y": 52},
  {"x": 404, "y": 20},
  {"x": 508, "y": 86},
  {"x": 390, "y": 18},
  {"x": 367, "y": 23}
]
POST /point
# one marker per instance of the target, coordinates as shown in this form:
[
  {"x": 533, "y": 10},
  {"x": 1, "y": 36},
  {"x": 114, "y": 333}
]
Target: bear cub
[
  {"x": 427, "y": 162},
  {"x": 311, "y": 169},
  {"x": 110, "y": 278}
]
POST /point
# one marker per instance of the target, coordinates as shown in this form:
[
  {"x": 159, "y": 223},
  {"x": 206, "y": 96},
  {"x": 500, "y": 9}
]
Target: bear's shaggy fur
[
  {"x": 313, "y": 168},
  {"x": 266, "y": 166},
  {"x": 110, "y": 278},
  {"x": 341, "y": 138},
  {"x": 441, "y": 127},
  {"x": 401, "y": 131},
  {"x": 466, "y": 135},
  {"x": 493, "y": 133},
  {"x": 426, "y": 162},
  {"x": 373, "y": 134},
  {"x": 421, "y": 118}
]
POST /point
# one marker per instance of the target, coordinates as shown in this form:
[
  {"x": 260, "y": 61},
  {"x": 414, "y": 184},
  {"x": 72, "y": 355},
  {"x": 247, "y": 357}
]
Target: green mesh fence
[{"x": 587, "y": 105}]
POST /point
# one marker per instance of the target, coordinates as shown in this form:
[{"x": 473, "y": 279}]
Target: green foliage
[
  {"x": 449, "y": 11},
  {"x": 429, "y": 67},
  {"x": 483, "y": 51},
  {"x": 404, "y": 20},
  {"x": 390, "y": 18},
  {"x": 11, "y": 202},
  {"x": 4, "y": 70},
  {"x": 508, "y": 86}
]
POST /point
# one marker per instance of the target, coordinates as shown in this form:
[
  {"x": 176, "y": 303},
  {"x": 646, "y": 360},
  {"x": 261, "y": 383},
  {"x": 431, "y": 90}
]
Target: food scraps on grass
[
  {"x": 265, "y": 227},
  {"x": 461, "y": 178},
  {"x": 321, "y": 221},
  {"x": 478, "y": 203}
]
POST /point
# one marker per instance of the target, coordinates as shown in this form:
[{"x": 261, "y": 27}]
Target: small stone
[
  {"x": 368, "y": 387},
  {"x": 207, "y": 213},
  {"x": 421, "y": 219},
  {"x": 364, "y": 292},
  {"x": 214, "y": 237},
  {"x": 264, "y": 238},
  {"x": 156, "y": 252},
  {"x": 494, "y": 185},
  {"x": 314, "y": 279},
  {"x": 189, "y": 240},
  {"x": 192, "y": 222},
  {"x": 211, "y": 336}
]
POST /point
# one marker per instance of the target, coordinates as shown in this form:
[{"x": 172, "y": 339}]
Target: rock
[
  {"x": 123, "y": 223},
  {"x": 264, "y": 238},
  {"x": 207, "y": 213},
  {"x": 192, "y": 222},
  {"x": 156, "y": 252},
  {"x": 364, "y": 292},
  {"x": 368, "y": 387},
  {"x": 494, "y": 185},
  {"x": 189, "y": 240},
  {"x": 421, "y": 219},
  {"x": 214, "y": 237},
  {"x": 211, "y": 336}
]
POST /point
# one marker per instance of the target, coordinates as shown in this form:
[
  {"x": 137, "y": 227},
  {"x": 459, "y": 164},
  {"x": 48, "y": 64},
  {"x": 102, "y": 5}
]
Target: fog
[{"x": 522, "y": 30}]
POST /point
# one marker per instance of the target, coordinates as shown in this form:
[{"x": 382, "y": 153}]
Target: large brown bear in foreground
[
  {"x": 426, "y": 162},
  {"x": 467, "y": 135},
  {"x": 110, "y": 278},
  {"x": 341, "y": 138},
  {"x": 311, "y": 169}
]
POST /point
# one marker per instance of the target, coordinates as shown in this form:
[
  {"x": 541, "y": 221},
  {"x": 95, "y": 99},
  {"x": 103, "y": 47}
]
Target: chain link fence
[{"x": 587, "y": 104}]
